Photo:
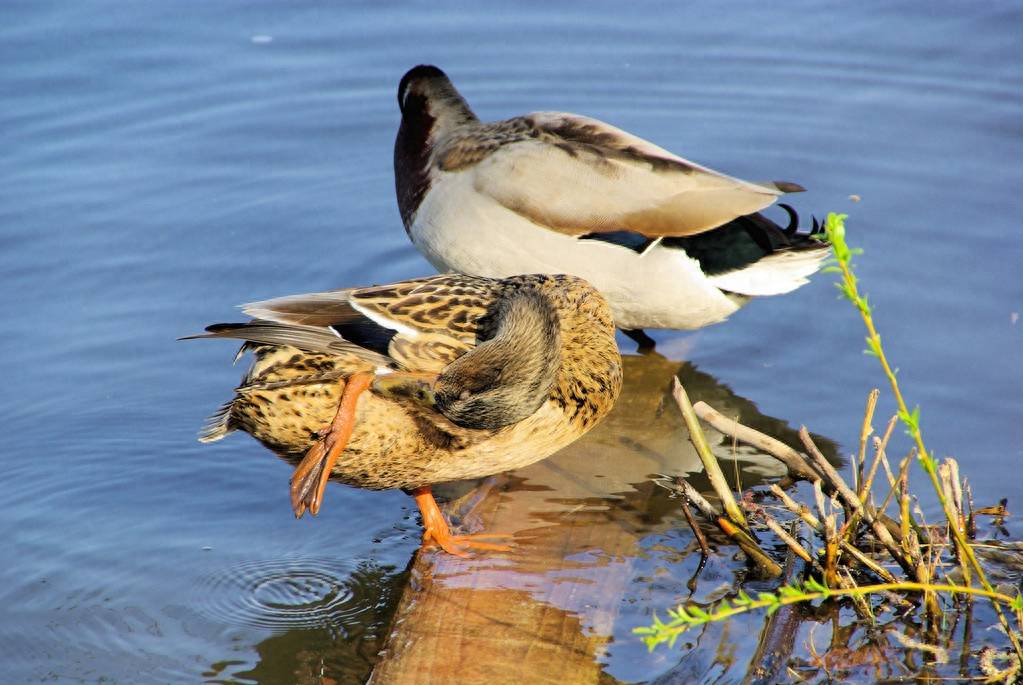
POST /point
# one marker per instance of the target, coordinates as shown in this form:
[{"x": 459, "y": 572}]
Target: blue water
[{"x": 162, "y": 162}]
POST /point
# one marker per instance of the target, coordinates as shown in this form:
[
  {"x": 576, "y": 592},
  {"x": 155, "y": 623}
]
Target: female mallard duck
[
  {"x": 669, "y": 243},
  {"x": 435, "y": 379}
]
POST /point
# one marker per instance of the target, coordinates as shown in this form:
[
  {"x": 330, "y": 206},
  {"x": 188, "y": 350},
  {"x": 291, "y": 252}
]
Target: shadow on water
[{"x": 598, "y": 546}]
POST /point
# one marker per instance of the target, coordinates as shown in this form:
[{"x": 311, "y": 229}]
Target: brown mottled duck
[{"x": 429, "y": 380}]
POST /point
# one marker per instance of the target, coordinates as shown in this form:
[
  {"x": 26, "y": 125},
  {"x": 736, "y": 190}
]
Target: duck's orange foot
[
  {"x": 311, "y": 476},
  {"x": 436, "y": 529},
  {"x": 458, "y": 545},
  {"x": 306, "y": 477}
]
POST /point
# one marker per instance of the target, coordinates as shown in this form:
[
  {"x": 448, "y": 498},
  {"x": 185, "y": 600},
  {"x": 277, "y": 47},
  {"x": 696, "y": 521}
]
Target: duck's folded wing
[
  {"x": 578, "y": 175},
  {"x": 419, "y": 325}
]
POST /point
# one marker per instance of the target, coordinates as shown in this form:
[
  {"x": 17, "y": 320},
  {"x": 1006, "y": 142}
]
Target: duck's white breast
[{"x": 459, "y": 229}]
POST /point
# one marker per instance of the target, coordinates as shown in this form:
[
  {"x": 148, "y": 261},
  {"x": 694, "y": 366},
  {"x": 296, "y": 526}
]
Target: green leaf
[
  {"x": 873, "y": 346},
  {"x": 927, "y": 461},
  {"x": 699, "y": 613},
  {"x": 789, "y": 592},
  {"x": 814, "y": 585},
  {"x": 834, "y": 227},
  {"x": 910, "y": 420},
  {"x": 864, "y": 305}
]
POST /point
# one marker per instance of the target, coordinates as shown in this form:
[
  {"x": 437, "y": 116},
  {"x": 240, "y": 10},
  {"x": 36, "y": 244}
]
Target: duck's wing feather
[
  {"x": 420, "y": 325},
  {"x": 307, "y": 338},
  {"x": 448, "y": 304},
  {"x": 578, "y": 175}
]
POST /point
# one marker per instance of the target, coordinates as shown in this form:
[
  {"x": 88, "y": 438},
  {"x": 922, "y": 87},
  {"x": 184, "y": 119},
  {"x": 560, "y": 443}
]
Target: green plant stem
[
  {"x": 684, "y": 619},
  {"x": 843, "y": 257}
]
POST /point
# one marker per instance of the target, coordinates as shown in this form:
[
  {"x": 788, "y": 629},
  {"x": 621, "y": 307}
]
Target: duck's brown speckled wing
[
  {"x": 578, "y": 175},
  {"x": 421, "y": 325},
  {"x": 437, "y": 319},
  {"x": 449, "y": 304}
]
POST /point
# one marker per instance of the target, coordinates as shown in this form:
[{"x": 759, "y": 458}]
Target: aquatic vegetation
[
  {"x": 810, "y": 590},
  {"x": 855, "y": 560},
  {"x": 967, "y": 558}
]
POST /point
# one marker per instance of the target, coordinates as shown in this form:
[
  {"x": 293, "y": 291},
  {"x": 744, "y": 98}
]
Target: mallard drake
[
  {"x": 435, "y": 379},
  {"x": 670, "y": 243}
]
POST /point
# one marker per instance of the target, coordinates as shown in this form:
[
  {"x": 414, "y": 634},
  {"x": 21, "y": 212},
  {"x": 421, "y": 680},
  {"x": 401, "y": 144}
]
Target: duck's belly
[
  {"x": 387, "y": 448},
  {"x": 470, "y": 233}
]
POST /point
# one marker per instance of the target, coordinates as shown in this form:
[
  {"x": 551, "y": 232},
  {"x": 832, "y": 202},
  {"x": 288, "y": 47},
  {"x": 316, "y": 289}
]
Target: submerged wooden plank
[
  {"x": 545, "y": 613},
  {"x": 541, "y": 610}
]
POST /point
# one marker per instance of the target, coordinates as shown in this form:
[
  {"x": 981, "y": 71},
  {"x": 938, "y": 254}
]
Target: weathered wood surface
[{"x": 546, "y": 612}]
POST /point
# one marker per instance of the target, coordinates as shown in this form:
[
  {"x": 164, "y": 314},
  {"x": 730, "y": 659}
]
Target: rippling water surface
[{"x": 162, "y": 162}]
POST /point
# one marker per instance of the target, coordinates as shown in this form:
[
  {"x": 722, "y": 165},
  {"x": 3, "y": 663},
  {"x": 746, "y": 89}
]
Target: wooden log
[
  {"x": 546, "y": 612},
  {"x": 541, "y": 613}
]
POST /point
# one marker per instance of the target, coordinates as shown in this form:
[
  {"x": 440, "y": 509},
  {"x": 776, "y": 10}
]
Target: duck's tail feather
[
  {"x": 766, "y": 259},
  {"x": 775, "y": 274},
  {"x": 218, "y": 424},
  {"x": 308, "y": 338}
]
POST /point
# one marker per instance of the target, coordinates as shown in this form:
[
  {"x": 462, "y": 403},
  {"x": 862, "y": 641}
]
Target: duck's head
[
  {"x": 426, "y": 94},
  {"x": 509, "y": 375},
  {"x": 504, "y": 379},
  {"x": 430, "y": 107}
]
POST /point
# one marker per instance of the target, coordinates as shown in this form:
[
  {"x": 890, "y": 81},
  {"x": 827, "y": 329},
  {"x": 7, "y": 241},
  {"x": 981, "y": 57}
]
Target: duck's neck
[
  {"x": 446, "y": 105},
  {"x": 508, "y": 376},
  {"x": 425, "y": 119},
  {"x": 411, "y": 166}
]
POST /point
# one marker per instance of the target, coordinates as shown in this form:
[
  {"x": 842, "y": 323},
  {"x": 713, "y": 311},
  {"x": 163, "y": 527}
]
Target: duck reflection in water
[{"x": 591, "y": 531}]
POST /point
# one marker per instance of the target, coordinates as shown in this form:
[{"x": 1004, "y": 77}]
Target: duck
[
  {"x": 670, "y": 243},
  {"x": 410, "y": 384}
]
